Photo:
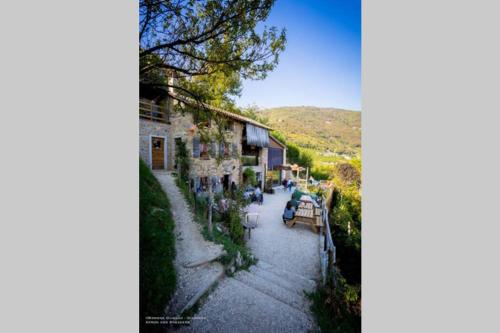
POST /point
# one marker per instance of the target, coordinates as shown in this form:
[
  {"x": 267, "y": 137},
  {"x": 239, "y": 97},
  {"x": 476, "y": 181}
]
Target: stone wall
[
  {"x": 227, "y": 166},
  {"x": 148, "y": 128},
  {"x": 180, "y": 128}
]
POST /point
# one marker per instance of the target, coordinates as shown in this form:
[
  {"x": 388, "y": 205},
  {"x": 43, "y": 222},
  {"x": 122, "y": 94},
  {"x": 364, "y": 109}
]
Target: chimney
[{"x": 171, "y": 80}]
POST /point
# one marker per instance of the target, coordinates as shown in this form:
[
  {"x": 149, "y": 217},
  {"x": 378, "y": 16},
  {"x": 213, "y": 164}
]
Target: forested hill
[{"x": 324, "y": 130}]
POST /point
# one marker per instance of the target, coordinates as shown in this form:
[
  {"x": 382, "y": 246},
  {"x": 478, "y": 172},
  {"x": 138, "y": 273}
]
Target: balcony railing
[
  {"x": 249, "y": 160},
  {"x": 152, "y": 111}
]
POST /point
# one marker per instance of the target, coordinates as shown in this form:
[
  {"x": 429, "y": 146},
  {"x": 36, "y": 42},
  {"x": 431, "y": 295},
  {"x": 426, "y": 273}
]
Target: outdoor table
[
  {"x": 306, "y": 205},
  {"x": 306, "y": 216},
  {"x": 317, "y": 211},
  {"x": 306, "y": 198}
]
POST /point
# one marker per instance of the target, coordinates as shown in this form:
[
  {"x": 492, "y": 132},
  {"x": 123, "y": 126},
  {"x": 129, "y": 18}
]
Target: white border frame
[{"x": 165, "y": 156}]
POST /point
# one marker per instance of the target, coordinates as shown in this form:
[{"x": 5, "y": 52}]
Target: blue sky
[{"x": 321, "y": 65}]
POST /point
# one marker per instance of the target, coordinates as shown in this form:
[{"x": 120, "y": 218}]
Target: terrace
[{"x": 152, "y": 111}]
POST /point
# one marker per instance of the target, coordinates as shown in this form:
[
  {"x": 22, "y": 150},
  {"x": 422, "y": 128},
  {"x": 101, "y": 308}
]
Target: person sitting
[
  {"x": 289, "y": 212},
  {"x": 294, "y": 202}
]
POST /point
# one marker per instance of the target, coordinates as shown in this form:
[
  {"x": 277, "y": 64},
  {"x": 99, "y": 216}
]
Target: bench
[{"x": 306, "y": 218}]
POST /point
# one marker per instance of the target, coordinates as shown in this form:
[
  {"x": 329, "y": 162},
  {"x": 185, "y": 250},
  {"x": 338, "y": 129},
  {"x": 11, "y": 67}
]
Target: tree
[{"x": 196, "y": 39}]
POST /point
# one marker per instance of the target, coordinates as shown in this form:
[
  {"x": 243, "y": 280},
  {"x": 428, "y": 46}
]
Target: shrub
[
  {"x": 348, "y": 173},
  {"x": 337, "y": 305},
  {"x": 236, "y": 231},
  {"x": 182, "y": 159},
  {"x": 250, "y": 176}
]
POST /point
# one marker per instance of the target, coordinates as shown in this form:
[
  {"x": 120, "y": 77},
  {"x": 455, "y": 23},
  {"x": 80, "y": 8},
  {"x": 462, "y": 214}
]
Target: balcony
[
  {"x": 151, "y": 111},
  {"x": 249, "y": 160}
]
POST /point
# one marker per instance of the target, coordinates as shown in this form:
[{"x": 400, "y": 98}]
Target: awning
[{"x": 257, "y": 136}]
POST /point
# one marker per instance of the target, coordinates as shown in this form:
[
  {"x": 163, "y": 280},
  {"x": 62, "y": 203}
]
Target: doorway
[
  {"x": 225, "y": 182},
  {"x": 158, "y": 153}
]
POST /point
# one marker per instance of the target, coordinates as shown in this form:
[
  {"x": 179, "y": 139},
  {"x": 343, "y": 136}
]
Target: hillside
[{"x": 322, "y": 130}]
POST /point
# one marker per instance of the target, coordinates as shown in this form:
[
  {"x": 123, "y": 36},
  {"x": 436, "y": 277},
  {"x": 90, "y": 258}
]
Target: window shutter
[
  {"x": 196, "y": 147},
  {"x": 214, "y": 184},
  {"x": 213, "y": 149},
  {"x": 221, "y": 149},
  {"x": 196, "y": 183},
  {"x": 235, "y": 150}
]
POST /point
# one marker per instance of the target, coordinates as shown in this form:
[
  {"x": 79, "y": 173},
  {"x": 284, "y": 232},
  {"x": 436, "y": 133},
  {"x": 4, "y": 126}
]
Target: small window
[
  {"x": 229, "y": 126},
  {"x": 204, "y": 184},
  {"x": 204, "y": 151},
  {"x": 157, "y": 143}
]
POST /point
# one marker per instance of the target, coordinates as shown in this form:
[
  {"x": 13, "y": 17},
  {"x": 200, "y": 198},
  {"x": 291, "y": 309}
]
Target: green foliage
[
  {"x": 236, "y": 231},
  {"x": 182, "y": 160},
  {"x": 156, "y": 245},
  {"x": 348, "y": 174},
  {"x": 337, "y": 305},
  {"x": 250, "y": 176},
  {"x": 214, "y": 38},
  {"x": 324, "y": 131},
  {"x": 209, "y": 47},
  {"x": 233, "y": 242}
]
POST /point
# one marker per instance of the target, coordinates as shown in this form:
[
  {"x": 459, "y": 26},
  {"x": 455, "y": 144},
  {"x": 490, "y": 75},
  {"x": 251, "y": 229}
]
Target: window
[
  {"x": 204, "y": 151},
  {"x": 228, "y": 126},
  {"x": 224, "y": 150}
]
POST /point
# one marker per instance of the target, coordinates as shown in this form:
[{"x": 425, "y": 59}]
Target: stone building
[{"x": 161, "y": 124}]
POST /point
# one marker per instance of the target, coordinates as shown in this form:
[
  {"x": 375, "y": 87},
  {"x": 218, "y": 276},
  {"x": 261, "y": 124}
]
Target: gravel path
[
  {"x": 270, "y": 296},
  {"x": 190, "y": 247},
  {"x": 295, "y": 250}
]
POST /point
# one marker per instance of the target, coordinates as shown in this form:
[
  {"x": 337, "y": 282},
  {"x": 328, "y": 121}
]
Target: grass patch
[{"x": 157, "y": 248}]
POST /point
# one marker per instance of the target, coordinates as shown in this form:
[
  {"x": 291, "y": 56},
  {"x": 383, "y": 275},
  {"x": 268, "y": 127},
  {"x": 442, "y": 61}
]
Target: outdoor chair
[{"x": 251, "y": 222}]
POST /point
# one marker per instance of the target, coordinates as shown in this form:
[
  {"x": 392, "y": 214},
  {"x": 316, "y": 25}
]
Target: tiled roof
[{"x": 228, "y": 114}]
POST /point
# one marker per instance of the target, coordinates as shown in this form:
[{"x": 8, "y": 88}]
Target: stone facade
[
  {"x": 210, "y": 167},
  {"x": 148, "y": 128},
  {"x": 181, "y": 126}
]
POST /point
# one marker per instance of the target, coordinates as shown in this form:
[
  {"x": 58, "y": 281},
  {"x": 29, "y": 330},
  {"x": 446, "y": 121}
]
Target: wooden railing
[
  {"x": 327, "y": 247},
  {"x": 151, "y": 111}
]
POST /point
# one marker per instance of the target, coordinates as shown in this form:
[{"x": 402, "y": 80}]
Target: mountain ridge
[{"x": 322, "y": 130}]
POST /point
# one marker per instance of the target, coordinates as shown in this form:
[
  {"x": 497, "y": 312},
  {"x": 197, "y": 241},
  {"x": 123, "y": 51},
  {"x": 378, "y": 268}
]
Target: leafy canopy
[{"x": 196, "y": 39}]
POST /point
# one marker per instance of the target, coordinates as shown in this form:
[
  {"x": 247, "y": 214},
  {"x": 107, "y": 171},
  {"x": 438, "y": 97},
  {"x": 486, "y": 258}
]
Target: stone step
[
  {"x": 305, "y": 283},
  {"x": 205, "y": 260},
  {"x": 271, "y": 289},
  {"x": 197, "y": 281},
  {"x": 237, "y": 307},
  {"x": 295, "y": 286}
]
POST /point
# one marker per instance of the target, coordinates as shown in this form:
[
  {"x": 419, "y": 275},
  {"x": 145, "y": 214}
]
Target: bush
[
  {"x": 236, "y": 231},
  {"x": 156, "y": 245},
  {"x": 182, "y": 159},
  {"x": 250, "y": 177},
  {"x": 337, "y": 305},
  {"x": 349, "y": 174}
]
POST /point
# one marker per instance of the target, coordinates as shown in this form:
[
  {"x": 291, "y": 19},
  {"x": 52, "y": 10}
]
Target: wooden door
[{"x": 158, "y": 153}]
